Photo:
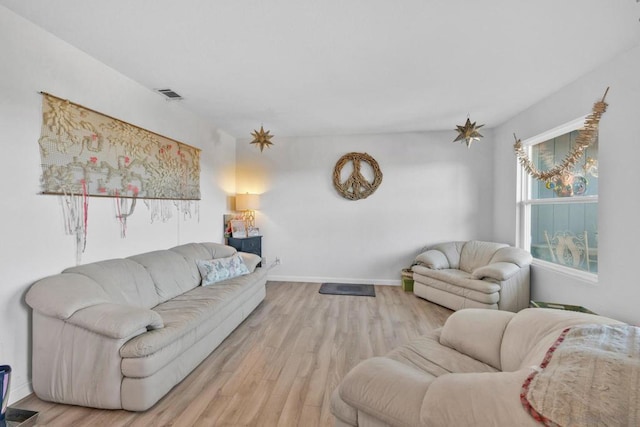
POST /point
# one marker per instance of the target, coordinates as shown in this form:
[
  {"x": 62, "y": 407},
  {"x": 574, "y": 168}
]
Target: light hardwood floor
[{"x": 280, "y": 366}]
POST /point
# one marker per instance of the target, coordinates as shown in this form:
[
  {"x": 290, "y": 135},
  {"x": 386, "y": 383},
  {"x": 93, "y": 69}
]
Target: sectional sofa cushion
[{"x": 123, "y": 281}]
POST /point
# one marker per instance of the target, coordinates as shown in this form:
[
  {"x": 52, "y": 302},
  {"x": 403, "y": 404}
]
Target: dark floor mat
[{"x": 347, "y": 289}]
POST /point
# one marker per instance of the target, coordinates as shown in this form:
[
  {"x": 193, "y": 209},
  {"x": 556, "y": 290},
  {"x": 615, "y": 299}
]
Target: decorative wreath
[
  {"x": 585, "y": 137},
  {"x": 356, "y": 186}
]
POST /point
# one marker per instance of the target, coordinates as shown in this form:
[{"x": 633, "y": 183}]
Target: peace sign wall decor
[{"x": 356, "y": 186}]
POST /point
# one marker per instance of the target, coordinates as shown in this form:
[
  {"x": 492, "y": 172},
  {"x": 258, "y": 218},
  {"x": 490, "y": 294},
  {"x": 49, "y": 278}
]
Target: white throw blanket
[{"x": 589, "y": 377}]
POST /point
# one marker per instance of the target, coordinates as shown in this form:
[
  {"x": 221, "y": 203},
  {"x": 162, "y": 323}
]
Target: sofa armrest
[
  {"x": 386, "y": 389},
  {"x": 433, "y": 259},
  {"x": 477, "y": 333},
  {"x": 62, "y": 295},
  {"x": 250, "y": 260},
  {"x": 476, "y": 399},
  {"x": 499, "y": 271},
  {"x": 516, "y": 256},
  {"x": 116, "y": 321}
]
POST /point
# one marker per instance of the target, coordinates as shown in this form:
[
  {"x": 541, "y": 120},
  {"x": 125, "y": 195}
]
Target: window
[{"x": 559, "y": 219}]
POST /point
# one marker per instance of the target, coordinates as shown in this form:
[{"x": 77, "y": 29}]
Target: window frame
[{"x": 524, "y": 203}]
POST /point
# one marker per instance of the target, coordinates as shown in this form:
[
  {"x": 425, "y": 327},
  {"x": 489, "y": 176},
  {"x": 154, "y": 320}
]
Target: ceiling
[{"x": 327, "y": 67}]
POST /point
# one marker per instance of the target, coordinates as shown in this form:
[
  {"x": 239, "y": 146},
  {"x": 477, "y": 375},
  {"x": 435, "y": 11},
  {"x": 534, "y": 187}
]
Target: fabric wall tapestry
[{"x": 86, "y": 152}]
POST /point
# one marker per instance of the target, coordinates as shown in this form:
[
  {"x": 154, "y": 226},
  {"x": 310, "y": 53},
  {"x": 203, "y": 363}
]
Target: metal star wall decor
[
  {"x": 468, "y": 132},
  {"x": 262, "y": 138}
]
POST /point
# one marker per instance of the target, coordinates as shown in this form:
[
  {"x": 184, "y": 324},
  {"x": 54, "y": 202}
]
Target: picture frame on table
[
  {"x": 226, "y": 223},
  {"x": 238, "y": 229},
  {"x": 253, "y": 231}
]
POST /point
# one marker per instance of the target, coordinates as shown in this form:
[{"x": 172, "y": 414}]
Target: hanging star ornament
[
  {"x": 262, "y": 138},
  {"x": 468, "y": 132}
]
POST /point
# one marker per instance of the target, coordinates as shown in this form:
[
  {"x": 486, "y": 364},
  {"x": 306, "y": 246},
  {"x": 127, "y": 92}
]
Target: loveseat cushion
[
  {"x": 426, "y": 354},
  {"x": 123, "y": 280},
  {"x": 476, "y": 254},
  {"x": 451, "y": 251},
  {"x": 476, "y": 399},
  {"x": 459, "y": 278},
  {"x": 389, "y": 390},
  {"x": 343, "y": 412},
  {"x": 477, "y": 333},
  {"x": 460, "y": 283},
  {"x": 433, "y": 259}
]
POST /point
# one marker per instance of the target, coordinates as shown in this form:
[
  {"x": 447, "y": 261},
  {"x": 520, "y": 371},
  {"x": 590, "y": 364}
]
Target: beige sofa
[
  {"x": 473, "y": 274},
  {"x": 468, "y": 373},
  {"x": 119, "y": 334}
]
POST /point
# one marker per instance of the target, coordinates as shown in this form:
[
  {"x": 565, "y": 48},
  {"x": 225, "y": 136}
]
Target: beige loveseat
[
  {"x": 468, "y": 373},
  {"x": 119, "y": 334},
  {"x": 473, "y": 274}
]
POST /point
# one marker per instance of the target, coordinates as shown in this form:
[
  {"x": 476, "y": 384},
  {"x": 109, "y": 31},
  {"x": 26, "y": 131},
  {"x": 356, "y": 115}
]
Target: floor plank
[{"x": 280, "y": 366}]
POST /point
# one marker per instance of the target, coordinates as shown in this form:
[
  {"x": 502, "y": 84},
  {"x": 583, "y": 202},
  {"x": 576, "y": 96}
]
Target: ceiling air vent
[{"x": 169, "y": 94}]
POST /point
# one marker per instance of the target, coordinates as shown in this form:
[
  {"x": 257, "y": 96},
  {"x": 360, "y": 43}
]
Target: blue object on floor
[{"x": 5, "y": 382}]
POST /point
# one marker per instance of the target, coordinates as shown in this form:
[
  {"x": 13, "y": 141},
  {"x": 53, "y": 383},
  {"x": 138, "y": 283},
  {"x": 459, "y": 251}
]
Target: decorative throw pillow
[{"x": 218, "y": 269}]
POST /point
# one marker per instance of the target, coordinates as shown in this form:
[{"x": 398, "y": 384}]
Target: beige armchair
[
  {"x": 471, "y": 372},
  {"x": 473, "y": 274}
]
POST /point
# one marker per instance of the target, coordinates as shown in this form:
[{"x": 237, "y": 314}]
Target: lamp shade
[{"x": 247, "y": 202}]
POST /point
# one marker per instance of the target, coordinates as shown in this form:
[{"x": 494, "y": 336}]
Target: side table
[{"x": 252, "y": 245}]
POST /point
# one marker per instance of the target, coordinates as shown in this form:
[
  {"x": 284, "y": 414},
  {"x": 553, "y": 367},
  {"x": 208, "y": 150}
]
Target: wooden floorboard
[{"x": 280, "y": 366}]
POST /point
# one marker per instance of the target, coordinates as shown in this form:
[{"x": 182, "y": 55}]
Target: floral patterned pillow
[{"x": 216, "y": 270}]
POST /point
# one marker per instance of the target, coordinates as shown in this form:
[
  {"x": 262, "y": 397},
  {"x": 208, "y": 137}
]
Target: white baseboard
[
  {"x": 311, "y": 279},
  {"x": 20, "y": 392}
]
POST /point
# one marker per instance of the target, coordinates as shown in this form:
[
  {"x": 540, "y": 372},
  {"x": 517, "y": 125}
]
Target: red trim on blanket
[{"x": 525, "y": 387}]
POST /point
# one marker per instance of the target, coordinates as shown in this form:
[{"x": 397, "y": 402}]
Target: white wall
[
  {"x": 33, "y": 240},
  {"x": 433, "y": 190},
  {"x": 618, "y": 290}
]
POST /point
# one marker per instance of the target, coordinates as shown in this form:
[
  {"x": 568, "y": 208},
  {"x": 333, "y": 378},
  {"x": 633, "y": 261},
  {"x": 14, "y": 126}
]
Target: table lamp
[{"x": 247, "y": 204}]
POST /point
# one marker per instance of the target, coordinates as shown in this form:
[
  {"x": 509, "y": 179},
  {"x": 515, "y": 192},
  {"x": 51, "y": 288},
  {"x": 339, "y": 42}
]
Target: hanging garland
[{"x": 585, "y": 137}]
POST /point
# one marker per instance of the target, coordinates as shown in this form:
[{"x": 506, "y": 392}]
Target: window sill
[{"x": 589, "y": 278}]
